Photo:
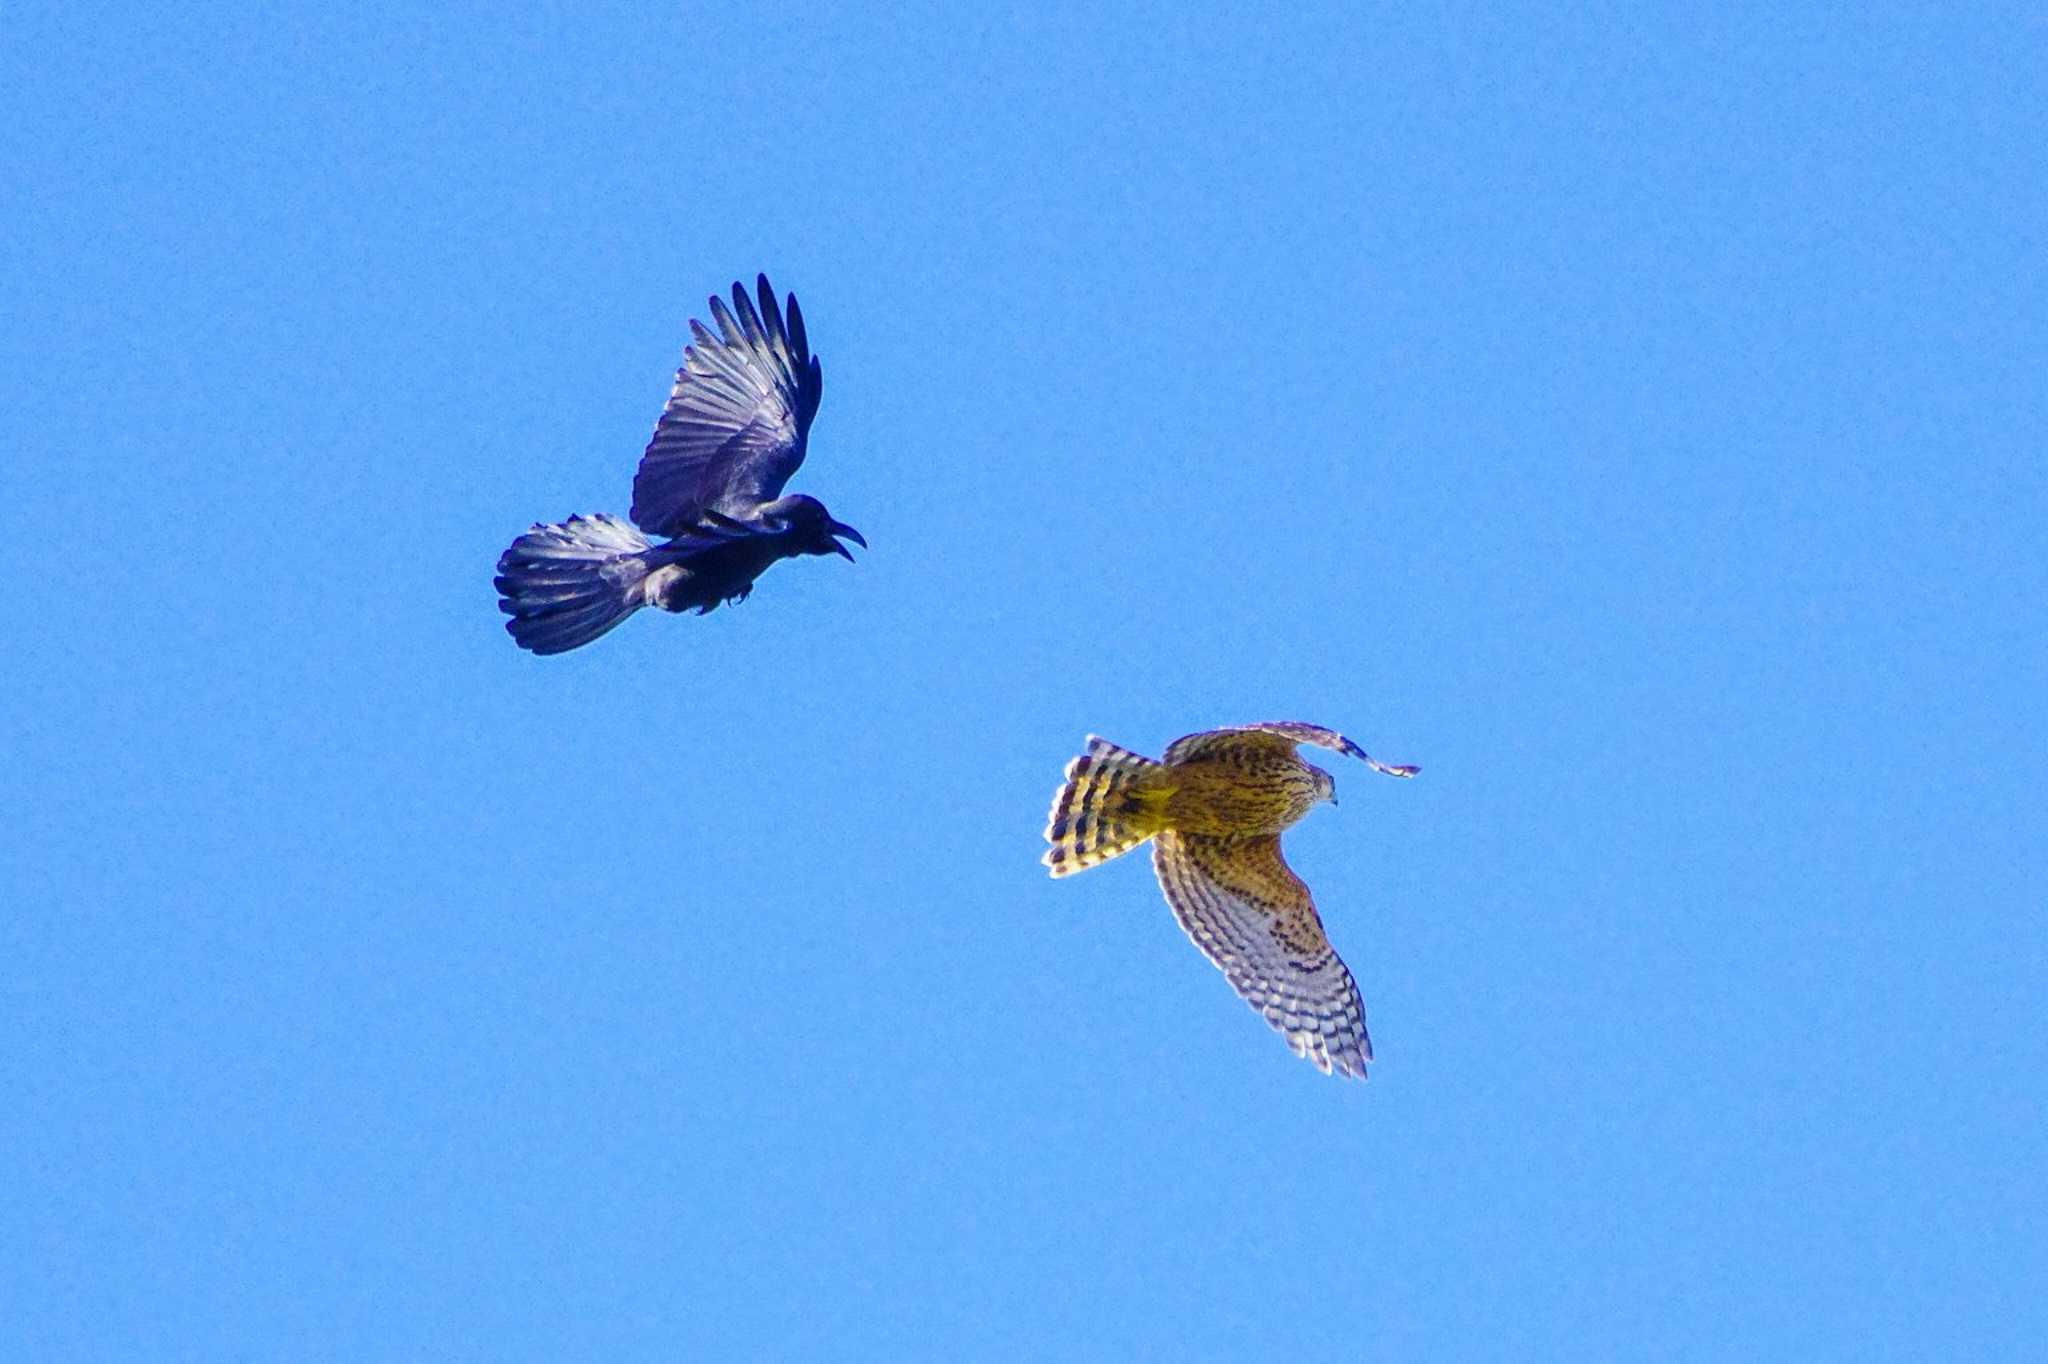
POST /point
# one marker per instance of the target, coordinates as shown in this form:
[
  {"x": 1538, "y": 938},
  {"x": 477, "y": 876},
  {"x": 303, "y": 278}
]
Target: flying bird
[
  {"x": 1215, "y": 808},
  {"x": 709, "y": 486}
]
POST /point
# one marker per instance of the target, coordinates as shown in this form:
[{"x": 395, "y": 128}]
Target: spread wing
[
  {"x": 1275, "y": 734},
  {"x": 1252, "y": 917},
  {"x": 737, "y": 420},
  {"x": 1212, "y": 742}
]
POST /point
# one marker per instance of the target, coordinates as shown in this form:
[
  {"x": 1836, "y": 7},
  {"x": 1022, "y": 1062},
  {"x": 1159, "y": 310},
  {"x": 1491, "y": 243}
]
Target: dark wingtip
[
  {"x": 771, "y": 315},
  {"x": 730, "y": 332},
  {"x": 799, "y": 339}
]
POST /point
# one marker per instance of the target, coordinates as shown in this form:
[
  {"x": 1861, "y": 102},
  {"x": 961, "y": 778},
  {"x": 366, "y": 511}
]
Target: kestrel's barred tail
[{"x": 1104, "y": 809}]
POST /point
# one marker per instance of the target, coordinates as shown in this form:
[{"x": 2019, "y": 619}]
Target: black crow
[{"x": 710, "y": 485}]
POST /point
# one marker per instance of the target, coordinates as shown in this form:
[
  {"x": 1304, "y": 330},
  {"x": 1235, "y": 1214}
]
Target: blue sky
[{"x": 1635, "y": 421}]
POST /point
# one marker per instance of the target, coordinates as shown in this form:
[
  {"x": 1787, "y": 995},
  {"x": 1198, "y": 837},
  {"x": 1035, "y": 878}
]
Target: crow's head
[{"x": 810, "y": 528}]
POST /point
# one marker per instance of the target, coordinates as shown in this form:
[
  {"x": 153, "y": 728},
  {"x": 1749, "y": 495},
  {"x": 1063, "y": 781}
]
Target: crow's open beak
[{"x": 841, "y": 528}]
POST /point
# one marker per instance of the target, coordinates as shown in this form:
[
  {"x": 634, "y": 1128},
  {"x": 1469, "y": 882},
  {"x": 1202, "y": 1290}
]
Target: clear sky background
[{"x": 1637, "y": 422}]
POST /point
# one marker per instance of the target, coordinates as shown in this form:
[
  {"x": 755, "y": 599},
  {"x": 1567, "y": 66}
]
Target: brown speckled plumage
[{"x": 1215, "y": 808}]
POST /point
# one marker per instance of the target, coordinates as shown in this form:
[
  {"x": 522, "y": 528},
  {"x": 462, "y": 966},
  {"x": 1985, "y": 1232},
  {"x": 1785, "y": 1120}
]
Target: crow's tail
[
  {"x": 565, "y": 585},
  {"x": 1112, "y": 801}
]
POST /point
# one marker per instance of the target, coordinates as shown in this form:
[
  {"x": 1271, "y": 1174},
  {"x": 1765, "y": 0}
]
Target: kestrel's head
[{"x": 1326, "y": 785}]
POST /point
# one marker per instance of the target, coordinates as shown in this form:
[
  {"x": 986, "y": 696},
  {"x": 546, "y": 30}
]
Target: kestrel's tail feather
[
  {"x": 1111, "y": 802},
  {"x": 565, "y": 585}
]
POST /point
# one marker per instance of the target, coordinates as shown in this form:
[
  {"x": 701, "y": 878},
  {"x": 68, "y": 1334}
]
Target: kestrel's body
[
  {"x": 1242, "y": 791},
  {"x": 1215, "y": 808}
]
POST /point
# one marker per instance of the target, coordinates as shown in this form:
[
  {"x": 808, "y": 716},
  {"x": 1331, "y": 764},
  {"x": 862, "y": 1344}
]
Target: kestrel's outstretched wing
[
  {"x": 1275, "y": 733},
  {"x": 737, "y": 420},
  {"x": 1253, "y": 917}
]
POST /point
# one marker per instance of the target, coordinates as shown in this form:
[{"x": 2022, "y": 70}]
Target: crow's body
[
  {"x": 686, "y": 577},
  {"x": 710, "y": 483}
]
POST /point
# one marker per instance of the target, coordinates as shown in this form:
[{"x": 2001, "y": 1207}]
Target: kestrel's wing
[
  {"x": 1276, "y": 732},
  {"x": 1253, "y": 917},
  {"x": 737, "y": 420},
  {"x": 1212, "y": 742}
]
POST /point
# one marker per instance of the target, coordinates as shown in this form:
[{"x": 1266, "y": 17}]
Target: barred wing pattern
[
  {"x": 1276, "y": 733},
  {"x": 1251, "y": 915},
  {"x": 737, "y": 420}
]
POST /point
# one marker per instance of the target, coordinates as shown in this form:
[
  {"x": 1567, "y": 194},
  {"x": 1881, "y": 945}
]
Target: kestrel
[
  {"x": 1216, "y": 807},
  {"x": 710, "y": 483}
]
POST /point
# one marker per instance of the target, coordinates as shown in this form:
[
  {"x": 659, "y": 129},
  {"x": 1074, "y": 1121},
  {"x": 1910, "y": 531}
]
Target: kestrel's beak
[{"x": 841, "y": 528}]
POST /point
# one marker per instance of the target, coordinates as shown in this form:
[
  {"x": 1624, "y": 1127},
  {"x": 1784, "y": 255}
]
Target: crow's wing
[{"x": 737, "y": 420}]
